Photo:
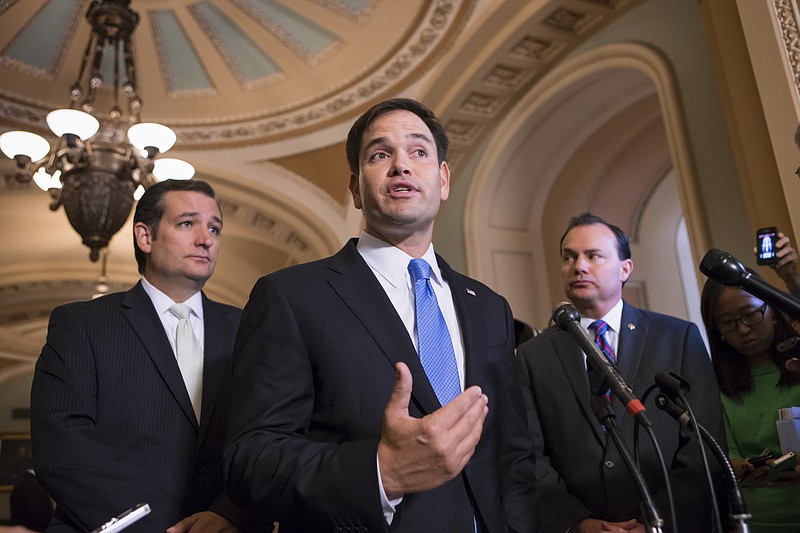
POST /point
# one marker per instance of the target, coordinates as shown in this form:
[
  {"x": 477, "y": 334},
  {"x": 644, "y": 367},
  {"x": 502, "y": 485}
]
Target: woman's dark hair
[{"x": 733, "y": 369}]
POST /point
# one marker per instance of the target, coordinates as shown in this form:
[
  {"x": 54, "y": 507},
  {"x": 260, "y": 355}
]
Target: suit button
[
  {"x": 200, "y": 467},
  {"x": 609, "y": 464}
]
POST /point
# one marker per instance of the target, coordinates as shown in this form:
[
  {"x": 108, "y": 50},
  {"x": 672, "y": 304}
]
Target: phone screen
[{"x": 766, "y": 251}]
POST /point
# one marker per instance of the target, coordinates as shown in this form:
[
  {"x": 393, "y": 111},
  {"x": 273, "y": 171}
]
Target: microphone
[
  {"x": 568, "y": 319},
  {"x": 672, "y": 401},
  {"x": 726, "y": 269}
]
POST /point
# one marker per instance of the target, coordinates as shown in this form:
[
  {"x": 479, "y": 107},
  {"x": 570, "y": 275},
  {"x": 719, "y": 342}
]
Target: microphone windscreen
[
  {"x": 710, "y": 260},
  {"x": 564, "y": 313},
  {"x": 723, "y": 267}
]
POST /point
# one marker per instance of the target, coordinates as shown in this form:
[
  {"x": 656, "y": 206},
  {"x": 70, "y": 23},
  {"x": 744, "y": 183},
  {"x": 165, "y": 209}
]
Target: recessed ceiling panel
[
  {"x": 245, "y": 58},
  {"x": 182, "y": 69},
  {"x": 40, "y": 43},
  {"x": 299, "y": 33}
]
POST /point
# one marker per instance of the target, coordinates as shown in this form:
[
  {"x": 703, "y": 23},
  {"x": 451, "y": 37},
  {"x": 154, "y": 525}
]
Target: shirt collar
[
  {"x": 613, "y": 318},
  {"x": 391, "y": 262},
  {"x": 162, "y": 302}
]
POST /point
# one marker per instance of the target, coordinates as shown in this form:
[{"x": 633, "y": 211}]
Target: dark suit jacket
[
  {"x": 313, "y": 370},
  {"x": 111, "y": 421},
  {"x": 576, "y": 477}
]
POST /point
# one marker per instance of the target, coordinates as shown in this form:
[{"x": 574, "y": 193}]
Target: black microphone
[
  {"x": 672, "y": 401},
  {"x": 567, "y": 318},
  {"x": 726, "y": 269}
]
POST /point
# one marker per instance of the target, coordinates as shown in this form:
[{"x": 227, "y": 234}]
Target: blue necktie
[
  {"x": 433, "y": 339},
  {"x": 600, "y": 328}
]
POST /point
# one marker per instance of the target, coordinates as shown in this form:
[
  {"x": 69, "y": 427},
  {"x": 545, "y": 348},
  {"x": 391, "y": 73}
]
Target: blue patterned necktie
[
  {"x": 600, "y": 328},
  {"x": 433, "y": 339}
]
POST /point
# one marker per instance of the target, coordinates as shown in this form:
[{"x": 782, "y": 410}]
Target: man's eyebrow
[
  {"x": 195, "y": 214},
  {"x": 379, "y": 140},
  {"x": 587, "y": 251}
]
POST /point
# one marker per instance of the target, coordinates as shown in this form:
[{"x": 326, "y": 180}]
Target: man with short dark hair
[
  {"x": 127, "y": 404},
  {"x": 584, "y": 485},
  {"x": 375, "y": 390}
]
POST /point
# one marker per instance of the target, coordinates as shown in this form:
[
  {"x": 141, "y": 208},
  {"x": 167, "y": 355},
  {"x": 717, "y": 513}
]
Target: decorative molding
[
  {"x": 462, "y": 131},
  {"x": 570, "y": 21},
  {"x": 227, "y": 56},
  {"x": 430, "y": 33},
  {"x": 5, "y": 4},
  {"x": 348, "y": 11},
  {"x": 274, "y": 231},
  {"x": 532, "y": 48},
  {"x": 285, "y": 37},
  {"x": 63, "y": 45},
  {"x": 507, "y": 77},
  {"x": 483, "y": 104},
  {"x": 786, "y": 12},
  {"x": 163, "y": 62}
]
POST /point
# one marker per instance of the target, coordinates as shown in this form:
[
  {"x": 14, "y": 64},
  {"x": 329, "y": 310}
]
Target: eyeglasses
[{"x": 747, "y": 319}]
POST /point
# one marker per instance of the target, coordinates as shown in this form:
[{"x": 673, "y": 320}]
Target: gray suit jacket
[{"x": 579, "y": 470}]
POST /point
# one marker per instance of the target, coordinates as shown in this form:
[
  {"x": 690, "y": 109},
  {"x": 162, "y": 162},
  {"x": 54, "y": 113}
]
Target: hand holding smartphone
[
  {"x": 766, "y": 251},
  {"x": 786, "y": 461}
]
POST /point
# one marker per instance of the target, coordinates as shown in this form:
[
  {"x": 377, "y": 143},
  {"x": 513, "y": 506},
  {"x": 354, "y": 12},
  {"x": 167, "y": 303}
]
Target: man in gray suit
[
  {"x": 115, "y": 418},
  {"x": 584, "y": 485}
]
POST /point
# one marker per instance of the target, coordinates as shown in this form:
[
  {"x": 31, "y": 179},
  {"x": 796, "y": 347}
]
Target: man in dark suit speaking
[
  {"x": 375, "y": 390},
  {"x": 584, "y": 485},
  {"x": 127, "y": 403}
]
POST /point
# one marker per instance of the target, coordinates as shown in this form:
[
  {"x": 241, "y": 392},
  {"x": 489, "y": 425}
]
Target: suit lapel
[
  {"x": 572, "y": 360},
  {"x": 632, "y": 334},
  {"x": 356, "y": 285},
  {"x": 467, "y": 302},
  {"x": 219, "y": 335},
  {"x": 140, "y": 313}
]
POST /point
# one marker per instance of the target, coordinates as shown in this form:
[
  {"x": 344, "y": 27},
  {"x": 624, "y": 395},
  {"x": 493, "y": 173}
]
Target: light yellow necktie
[{"x": 189, "y": 355}]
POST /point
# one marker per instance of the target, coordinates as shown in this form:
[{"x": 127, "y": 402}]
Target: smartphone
[
  {"x": 766, "y": 251},
  {"x": 786, "y": 461},
  {"x": 118, "y": 523}
]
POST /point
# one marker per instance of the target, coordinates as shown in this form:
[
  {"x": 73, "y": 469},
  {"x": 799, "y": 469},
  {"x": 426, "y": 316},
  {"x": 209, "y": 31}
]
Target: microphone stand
[
  {"x": 738, "y": 514},
  {"x": 602, "y": 411}
]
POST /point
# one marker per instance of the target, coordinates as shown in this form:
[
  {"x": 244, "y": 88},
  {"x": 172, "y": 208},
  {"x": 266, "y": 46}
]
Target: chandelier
[{"x": 101, "y": 163}]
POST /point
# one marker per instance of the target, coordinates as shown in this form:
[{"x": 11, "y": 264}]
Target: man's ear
[
  {"x": 444, "y": 174},
  {"x": 355, "y": 190},
  {"x": 143, "y": 236},
  {"x": 626, "y": 270}
]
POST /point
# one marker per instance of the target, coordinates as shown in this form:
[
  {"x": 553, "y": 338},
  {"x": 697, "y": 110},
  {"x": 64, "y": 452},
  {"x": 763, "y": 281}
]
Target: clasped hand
[{"x": 418, "y": 454}]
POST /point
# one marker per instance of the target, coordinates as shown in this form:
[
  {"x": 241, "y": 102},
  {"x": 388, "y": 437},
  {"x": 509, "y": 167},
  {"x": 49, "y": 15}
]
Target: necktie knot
[
  {"x": 599, "y": 327},
  {"x": 419, "y": 269},
  {"x": 181, "y": 311}
]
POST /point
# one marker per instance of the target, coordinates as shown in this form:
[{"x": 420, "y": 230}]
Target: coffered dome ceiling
[
  {"x": 226, "y": 72},
  {"x": 261, "y": 94}
]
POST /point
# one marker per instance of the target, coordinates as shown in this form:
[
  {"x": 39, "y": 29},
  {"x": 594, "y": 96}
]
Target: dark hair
[
  {"x": 588, "y": 219},
  {"x": 356, "y": 134},
  {"x": 732, "y": 368},
  {"x": 797, "y": 136},
  {"x": 150, "y": 208}
]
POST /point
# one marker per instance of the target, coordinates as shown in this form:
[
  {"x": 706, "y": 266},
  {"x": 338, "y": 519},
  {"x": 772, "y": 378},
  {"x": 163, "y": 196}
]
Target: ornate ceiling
[{"x": 261, "y": 94}]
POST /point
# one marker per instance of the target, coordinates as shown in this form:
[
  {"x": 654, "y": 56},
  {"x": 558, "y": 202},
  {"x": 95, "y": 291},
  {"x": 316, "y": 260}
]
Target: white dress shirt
[
  {"x": 390, "y": 266},
  {"x": 162, "y": 303}
]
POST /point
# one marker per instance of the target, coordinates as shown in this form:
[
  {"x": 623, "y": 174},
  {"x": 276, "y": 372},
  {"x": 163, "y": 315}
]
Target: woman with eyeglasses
[{"x": 743, "y": 334}]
